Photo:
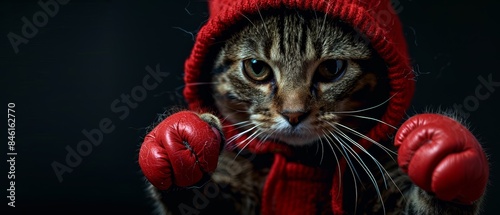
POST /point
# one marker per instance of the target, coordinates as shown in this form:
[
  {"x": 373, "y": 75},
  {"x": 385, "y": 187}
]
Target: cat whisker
[
  {"x": 263, "y": 22},
  {"x": 236, "y": 126},
  {"x": 225, "y": 119},
  {"x": 345, "y": 153},
  {"x": 248, "y": 140},
  {"x": 358, "y": 158},
  {"x": 345, "y": 136},
  {"x": 239, "y": 125},
  {"x": 333, "y": 150},
  {"x": 253, "y": 136},
  {"x": 352, "y": 131},
  {"x": 329, "y": 5},
  {"x": 235, "y": 137},
  {"x": 244, "y": 132},
  {"x": 263, "y": 140},
  {"x": 374, "y": 119},
  {"x": 249, "y": 20},
  {"x": 385, "y": 149},
  {"x": 240, "y": 111},
  {"x": 322, "y": 146},
  {"x": 354, "y": 173},
  {"x": 228, "y": 115},
  {"x": 235, "y": 110},
  {"x": 366, "y": 109},
  {"x": 379, "y": 165},
  {"x": 324, "y": 21}
]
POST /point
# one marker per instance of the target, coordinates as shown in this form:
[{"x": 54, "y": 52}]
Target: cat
[{"x": 316, "y": 84}]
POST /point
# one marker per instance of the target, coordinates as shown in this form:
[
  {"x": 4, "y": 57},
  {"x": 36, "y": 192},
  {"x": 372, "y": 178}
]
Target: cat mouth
[
  {"x": 296, "y": 137},
  {"x": 282, "y": 131}
]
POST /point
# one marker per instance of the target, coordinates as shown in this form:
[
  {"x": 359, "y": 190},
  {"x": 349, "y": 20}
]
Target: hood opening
[{"x": 374, "y": 18}]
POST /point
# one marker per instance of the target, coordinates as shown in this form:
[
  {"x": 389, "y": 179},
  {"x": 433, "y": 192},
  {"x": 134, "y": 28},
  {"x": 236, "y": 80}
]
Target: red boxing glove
[
  {"x": 180, "y": 150},
  {"x": 442, "y": 157}
]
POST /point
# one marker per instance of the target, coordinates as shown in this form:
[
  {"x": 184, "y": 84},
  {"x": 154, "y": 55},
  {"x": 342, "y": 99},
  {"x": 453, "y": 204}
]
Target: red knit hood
[{"x": 374, "y": 18}]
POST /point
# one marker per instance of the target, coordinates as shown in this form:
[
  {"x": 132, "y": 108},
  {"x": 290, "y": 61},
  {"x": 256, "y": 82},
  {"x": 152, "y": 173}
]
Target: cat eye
[
  {"x": 257, "y": 70},
  {"x": 331, "y": 70}
]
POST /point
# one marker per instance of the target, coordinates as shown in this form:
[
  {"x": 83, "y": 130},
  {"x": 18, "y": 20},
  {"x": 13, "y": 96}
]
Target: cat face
[{"x": 299, "y": 78}]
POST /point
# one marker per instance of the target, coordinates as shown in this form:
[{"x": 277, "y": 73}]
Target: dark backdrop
[{"x": 85, "y": 58}]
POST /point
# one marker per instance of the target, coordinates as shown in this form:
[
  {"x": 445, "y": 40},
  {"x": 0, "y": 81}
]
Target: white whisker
[
  {"x": 241, "y": 124},
  {"x": 342, "y": 134},
  {"x": 328, "y": 139},
  {"x": 248, "y": 140},
  {"x": 247, "y": 18},
  {"x": 358, "y": 158},
  {"x": 235, "y": 137},
  {"x": 263, "y": 140},
  {"x": 346, "y": 154},
  {"x": 365, "y": 109},
  {"x": 321, "y": 144},
  {"x": 263, "y": 22},
  {"x": 374, "y": 119},
  {"x": 387, "y": 150},
  {"x": 324, "y": 22},
  {"x": 349, "y": 164},
  {"x": 246, "y": 122}
]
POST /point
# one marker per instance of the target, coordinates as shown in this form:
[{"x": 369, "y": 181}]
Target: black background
[{"x": 66, "y": 77}]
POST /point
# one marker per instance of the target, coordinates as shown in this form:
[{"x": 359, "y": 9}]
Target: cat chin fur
[{"x": 298, "y": 136}]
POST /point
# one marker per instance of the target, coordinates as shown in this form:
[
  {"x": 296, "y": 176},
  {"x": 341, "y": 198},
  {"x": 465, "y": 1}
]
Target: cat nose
[{"x": 294, "y": 117}]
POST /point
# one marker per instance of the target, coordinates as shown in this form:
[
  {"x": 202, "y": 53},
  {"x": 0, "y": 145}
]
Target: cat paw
[
  {"x": 442, "y": 157},
  {"x": 181, "y": 149}
]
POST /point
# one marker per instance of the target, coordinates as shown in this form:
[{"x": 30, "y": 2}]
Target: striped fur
[{"x": 294, "y": 45}]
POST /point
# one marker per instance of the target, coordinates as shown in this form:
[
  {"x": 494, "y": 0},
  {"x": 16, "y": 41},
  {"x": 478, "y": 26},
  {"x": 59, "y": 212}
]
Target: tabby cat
[{"x": 315, "y": 84}]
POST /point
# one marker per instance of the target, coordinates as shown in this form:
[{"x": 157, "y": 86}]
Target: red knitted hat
[{"x": 375, "y": 18}]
